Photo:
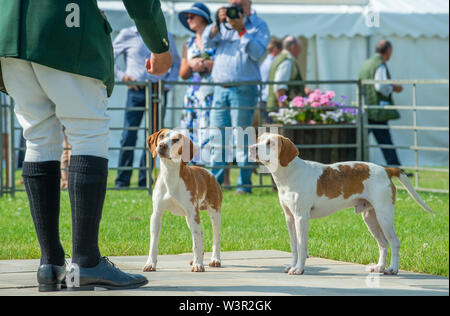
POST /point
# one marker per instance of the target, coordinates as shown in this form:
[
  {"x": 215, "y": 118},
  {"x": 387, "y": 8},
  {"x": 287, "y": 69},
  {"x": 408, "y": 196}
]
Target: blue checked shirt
[
  {"x": 129, "y": 43},
  {"x": 237, "y": 58}
]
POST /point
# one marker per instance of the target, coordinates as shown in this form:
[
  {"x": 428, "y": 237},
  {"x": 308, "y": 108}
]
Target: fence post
[
  {"x": 1, "y": 144},
  {"x": 148, "y": 132},
  {"x": 365, "y": 123},
  {"x": 11, "y": 146},
  {"x": 359, "y": 124},
  {"x": 416, "y": 142},
  {"x": 161, "y": 104}
]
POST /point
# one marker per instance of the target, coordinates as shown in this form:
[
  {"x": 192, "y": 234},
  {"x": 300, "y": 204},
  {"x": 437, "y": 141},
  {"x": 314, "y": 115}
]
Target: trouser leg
[{"x": 41, "y": 168}]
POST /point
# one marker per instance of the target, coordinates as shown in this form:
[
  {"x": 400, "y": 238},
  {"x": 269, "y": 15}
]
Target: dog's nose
[{"x": 163, "y": 146}]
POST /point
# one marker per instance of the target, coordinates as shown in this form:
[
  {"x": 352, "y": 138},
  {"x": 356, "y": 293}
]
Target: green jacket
[
  {"x": 72, "y": 35},
  {"x": 293, "y": 90},
  {"x": 372, "y": 96}
]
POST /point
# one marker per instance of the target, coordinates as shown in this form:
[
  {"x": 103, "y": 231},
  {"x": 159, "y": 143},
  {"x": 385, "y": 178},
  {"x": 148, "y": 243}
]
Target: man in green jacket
[
  {"x": 285, "y": 68},
  {"x": 376, "y": 68},
  {"x": 57, "y": 63}
]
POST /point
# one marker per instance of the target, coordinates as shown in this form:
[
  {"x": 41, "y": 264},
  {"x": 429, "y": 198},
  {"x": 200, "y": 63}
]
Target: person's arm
[
  {"x": 151, "y": 24},
  {"x": 211, "y": 37},
  {"x": 384, "y": 89},
  {"x": 172, "y": 75},
  {"x": 282, "y": 74},
  {"x": 255, "y": 44},
  {"x": 119, "y": 47},
  {"x": 185, "y": 69}
]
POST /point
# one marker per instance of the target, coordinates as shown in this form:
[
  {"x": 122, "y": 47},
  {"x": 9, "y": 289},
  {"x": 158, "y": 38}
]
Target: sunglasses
[{"x": 190, "y": 16}]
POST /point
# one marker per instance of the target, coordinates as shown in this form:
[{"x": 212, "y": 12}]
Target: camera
[{"x": 234, "y": 11}]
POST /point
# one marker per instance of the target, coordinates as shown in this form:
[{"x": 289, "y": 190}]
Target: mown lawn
[{"x": 248, "y": 223}]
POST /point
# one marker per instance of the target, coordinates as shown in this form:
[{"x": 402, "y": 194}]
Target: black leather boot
[
  {"x": 51, "y": 277},
  {"x": 103, "y": 276}
]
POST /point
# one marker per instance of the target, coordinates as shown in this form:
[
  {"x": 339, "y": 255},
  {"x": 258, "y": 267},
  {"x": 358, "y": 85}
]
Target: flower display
[{"x": 317, "y": 108}]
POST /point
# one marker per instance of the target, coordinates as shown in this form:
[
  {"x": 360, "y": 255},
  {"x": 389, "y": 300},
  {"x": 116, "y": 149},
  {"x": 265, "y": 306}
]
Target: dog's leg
[
  {"x": 215, "y": 216},
  {"x": 155, "y": 229},
  {"x": 385, "y": 216},
  {"x": 290, "y": 222},
  {"x": 374, "y": 227},
  {"x": 301, "y": 227},
  {"x": 194, "y": 225}
]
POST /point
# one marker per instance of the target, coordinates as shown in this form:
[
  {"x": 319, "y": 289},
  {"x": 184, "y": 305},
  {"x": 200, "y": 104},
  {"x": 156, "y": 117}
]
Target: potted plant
[{"x": 310, "y": 114}]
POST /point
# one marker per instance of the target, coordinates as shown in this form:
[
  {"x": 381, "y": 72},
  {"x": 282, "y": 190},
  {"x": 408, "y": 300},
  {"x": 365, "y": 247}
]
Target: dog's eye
[
  {"x": 174, "y": 141},
  {"x": 268, "y": 143},
  {"x": 161, "y": 136}
]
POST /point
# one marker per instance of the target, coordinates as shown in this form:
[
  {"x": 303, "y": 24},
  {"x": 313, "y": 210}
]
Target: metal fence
[
  {"x": 415, "y": 127},
  {"x": 155, "y": 109}
]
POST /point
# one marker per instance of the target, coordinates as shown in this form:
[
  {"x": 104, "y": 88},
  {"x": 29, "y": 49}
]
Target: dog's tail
[{"x": 409, "y": 187}]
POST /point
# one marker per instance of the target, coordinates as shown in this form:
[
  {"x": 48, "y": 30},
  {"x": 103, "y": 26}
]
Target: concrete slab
[{"x": 248, "y": 273}]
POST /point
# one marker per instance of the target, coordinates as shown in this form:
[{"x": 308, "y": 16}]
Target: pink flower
[
  {"x": 330, "y": 94},
  {"x": 318, "y": 92},
  {"x": 298, "y": 102},
  {"x": 315, "y": 105},
  {"x": 324, "y": 100},
  {"x": 314, "y": 97},
  {"x": 312, "y": 122}
]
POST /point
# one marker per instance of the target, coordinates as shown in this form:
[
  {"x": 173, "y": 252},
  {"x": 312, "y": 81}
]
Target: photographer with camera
[{"x": 240, "y": 38}]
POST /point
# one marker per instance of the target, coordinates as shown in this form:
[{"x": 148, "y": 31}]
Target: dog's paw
[
  {"x": 375, "y": 269},
  {"x": 149, "y": 268},
  {"x": 215, "y": 264},
  {"x": 296, "y": 271},
  {"x": 198, "y": 268},
  {"x": 390, "y": 271},
  {"x": 288, "y": 268}
]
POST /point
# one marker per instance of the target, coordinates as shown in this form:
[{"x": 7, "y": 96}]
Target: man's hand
[
  {"x": 222, "y": 14},
  {"x": 127, "y": 78},
  {"x": 197, "y": 64},
  {"x": 308, "y": 91},
  {"x": 158, "y": 64},
  {"x": 237, "y": 24},
  {"x": 397, "y": 88}
]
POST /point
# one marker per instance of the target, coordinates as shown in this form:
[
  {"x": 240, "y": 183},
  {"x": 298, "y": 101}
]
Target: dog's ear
[
  {"x": 187, "y": 150},
  {"x": 153, "y": 140},
  {"x": 288, "y": 151}
]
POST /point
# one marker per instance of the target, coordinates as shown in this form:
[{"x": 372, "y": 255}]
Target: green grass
[{"x": 248, "y": 223}]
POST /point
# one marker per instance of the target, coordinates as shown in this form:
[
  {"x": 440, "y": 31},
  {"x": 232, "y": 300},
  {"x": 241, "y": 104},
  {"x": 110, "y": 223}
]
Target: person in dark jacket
[{"x": 57, "y": 63}]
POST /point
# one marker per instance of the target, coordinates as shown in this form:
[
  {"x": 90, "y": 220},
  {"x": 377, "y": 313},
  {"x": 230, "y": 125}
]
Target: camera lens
[{"x": 233, "y": 13}]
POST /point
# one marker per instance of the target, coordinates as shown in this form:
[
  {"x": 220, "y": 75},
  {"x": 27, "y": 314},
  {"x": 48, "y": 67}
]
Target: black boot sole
[
  {"x": 50, "y": 287},
  {"x": 93, "y": 287}
]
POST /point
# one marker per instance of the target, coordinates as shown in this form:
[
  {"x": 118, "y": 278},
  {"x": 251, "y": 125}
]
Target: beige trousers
[{"x": 47, "y": 99}]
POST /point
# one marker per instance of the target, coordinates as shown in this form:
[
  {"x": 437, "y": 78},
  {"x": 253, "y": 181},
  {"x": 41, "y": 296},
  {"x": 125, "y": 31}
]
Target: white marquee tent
[{"x": 338, "y": 38}]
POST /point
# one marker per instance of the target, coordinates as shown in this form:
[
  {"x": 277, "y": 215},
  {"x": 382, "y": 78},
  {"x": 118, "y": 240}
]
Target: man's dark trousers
[
  {"x": 136, "y": 99},
  {"x": 383, "y": 137}
]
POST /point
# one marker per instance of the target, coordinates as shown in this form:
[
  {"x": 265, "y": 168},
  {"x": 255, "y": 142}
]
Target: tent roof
[{"x": 415, "y": 18}]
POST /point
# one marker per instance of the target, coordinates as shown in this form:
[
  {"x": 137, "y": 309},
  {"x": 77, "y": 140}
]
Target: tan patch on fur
[
  {"x": 204, "y": 188},
  {"x": 287, "y": 151},
  {"x": 346, "y": 181},
  {"x": 393, "y": 172},
  {"x": 154, "y": 140}
]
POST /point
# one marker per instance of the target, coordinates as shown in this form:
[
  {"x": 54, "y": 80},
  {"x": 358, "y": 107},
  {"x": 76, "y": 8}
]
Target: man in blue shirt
[
  {"x": 129, "y": 43},
  {"x": 240, "y": 45}
]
